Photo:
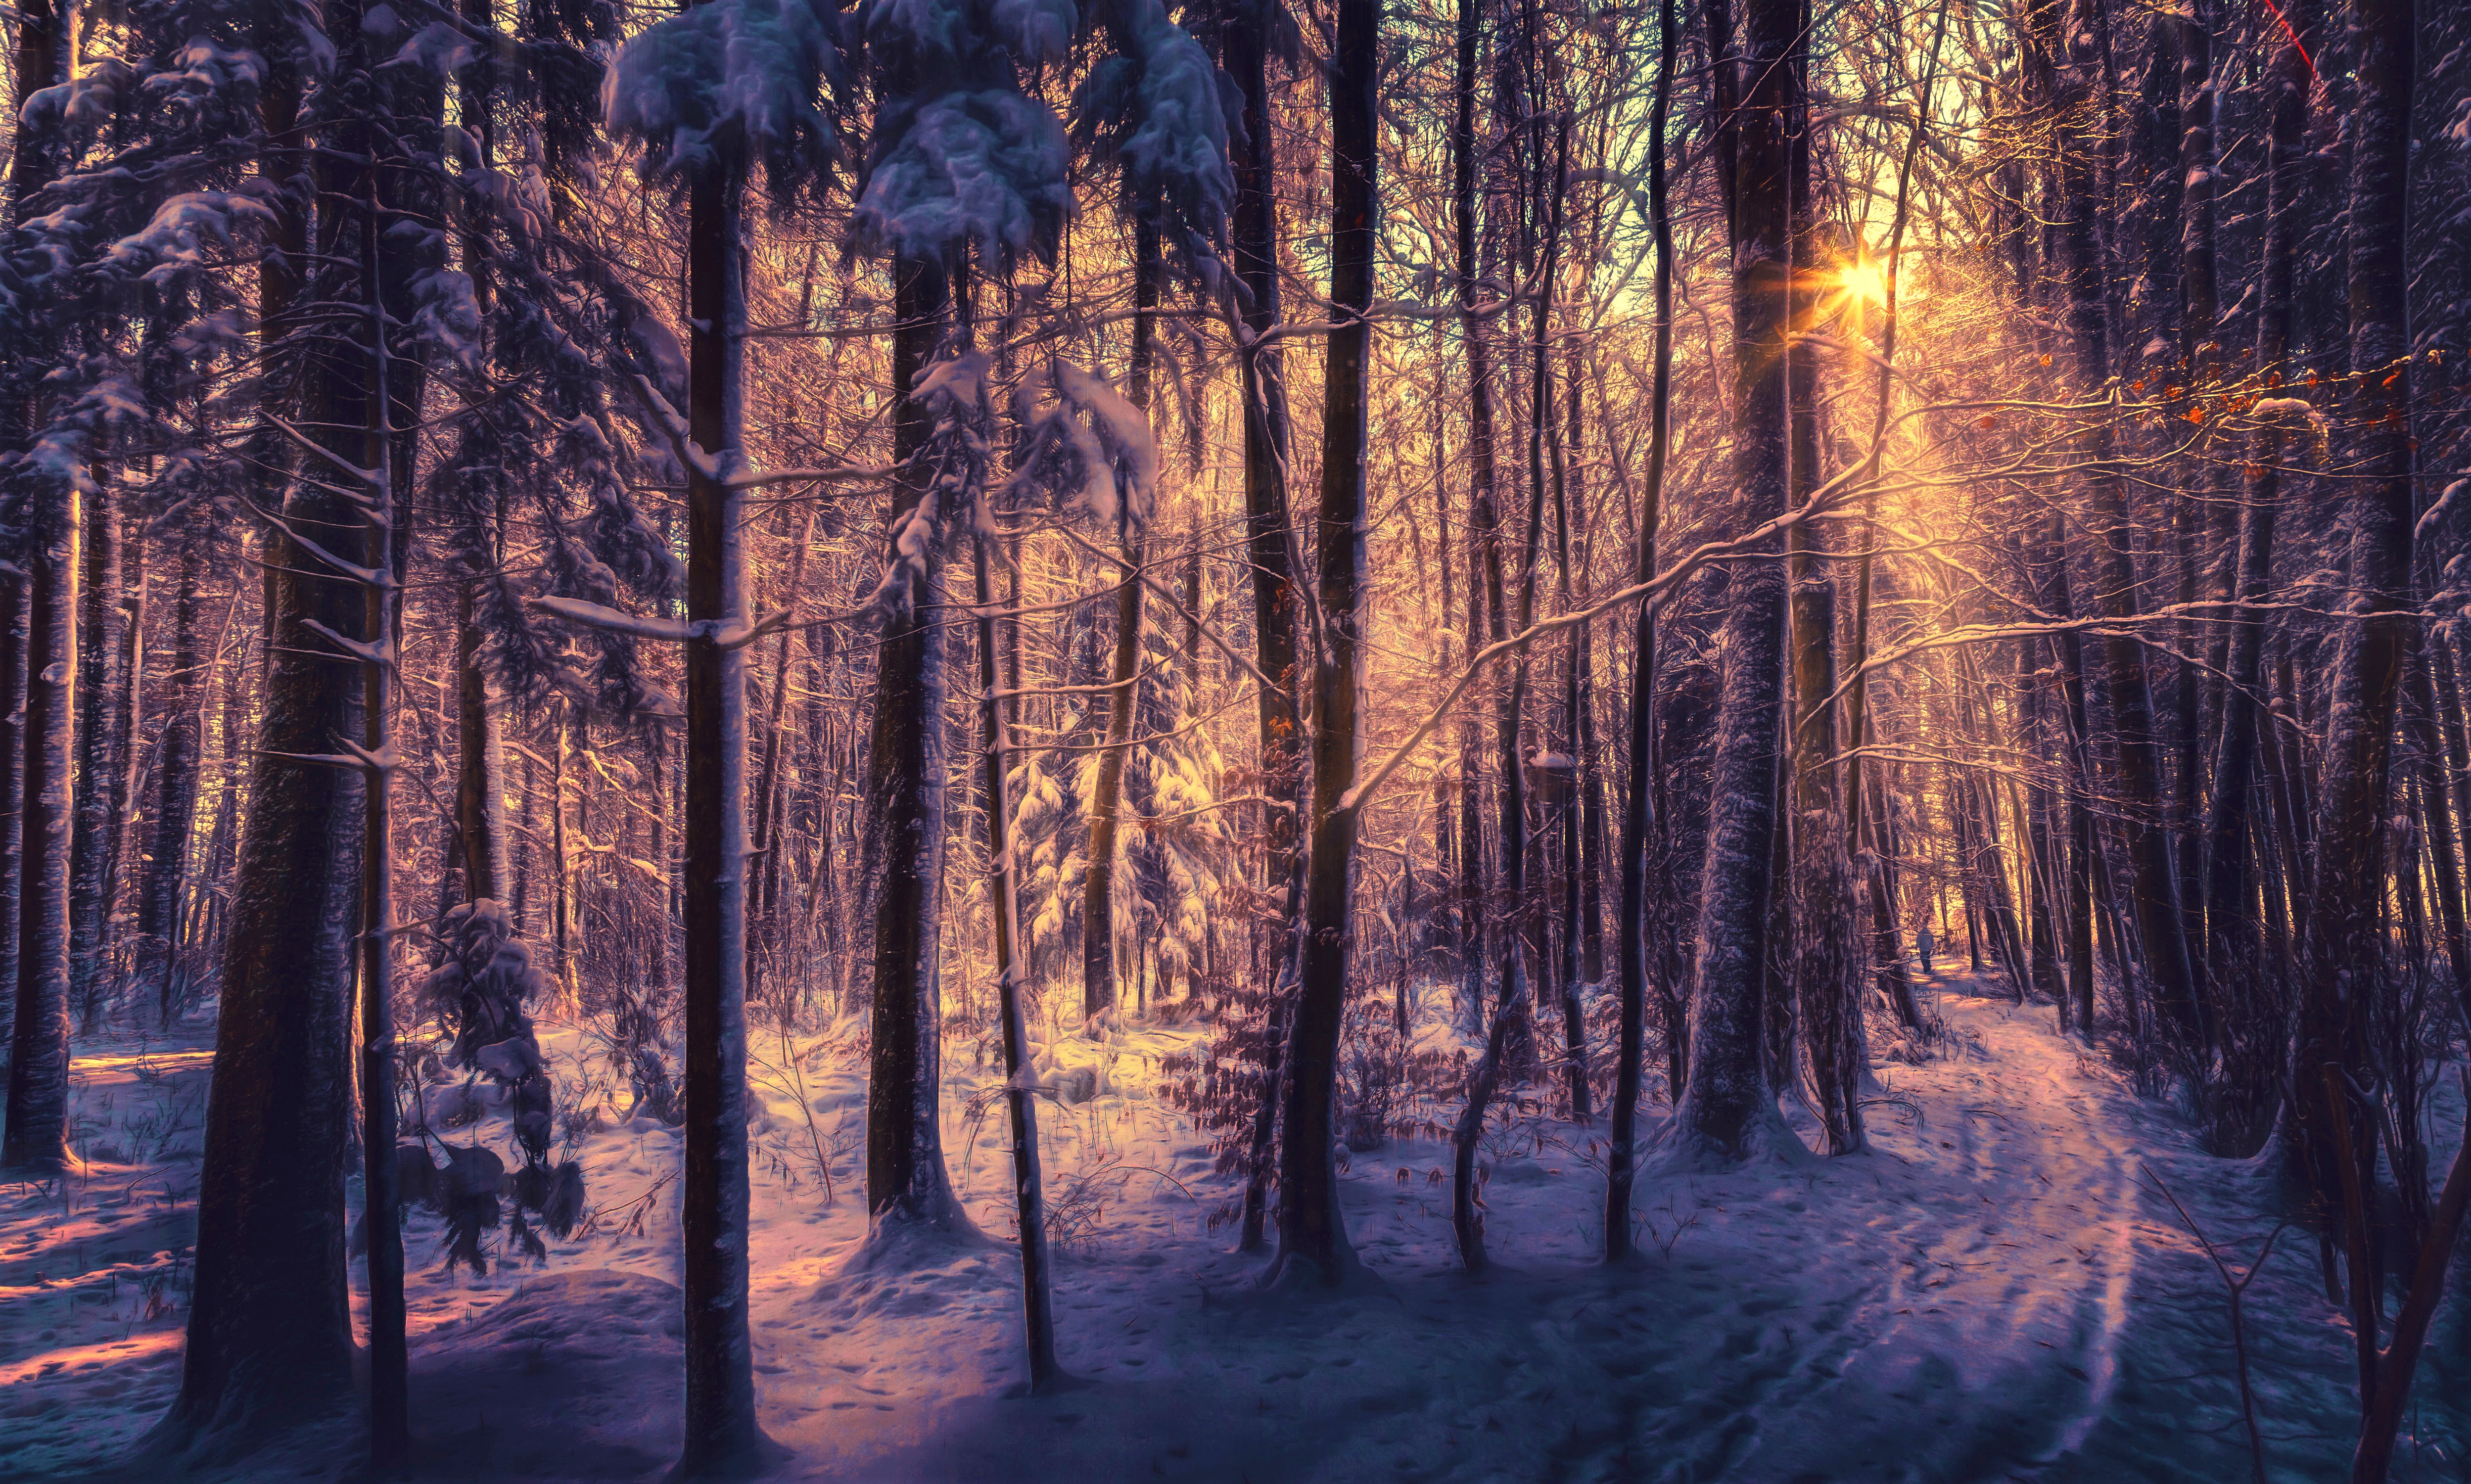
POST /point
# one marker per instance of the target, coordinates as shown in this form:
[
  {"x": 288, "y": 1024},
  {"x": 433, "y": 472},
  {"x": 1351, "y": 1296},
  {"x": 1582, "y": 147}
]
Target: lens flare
[{"x": 1864, "y": 279}]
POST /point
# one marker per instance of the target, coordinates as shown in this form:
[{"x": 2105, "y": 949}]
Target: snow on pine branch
[
  {"x": 1088, "y": 448},
  {"x": 173, "y": 241},
  {"x": 953, "y": 392},
  {"x": 730, "y": 75},
  {"x": 987, "y": 168},
  {"x": 1161, "y": 107}
]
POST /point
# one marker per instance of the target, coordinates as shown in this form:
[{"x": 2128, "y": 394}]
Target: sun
[{"x": 1864, "y": 279}]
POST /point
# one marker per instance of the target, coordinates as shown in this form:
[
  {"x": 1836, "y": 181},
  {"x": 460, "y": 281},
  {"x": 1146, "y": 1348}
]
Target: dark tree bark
[
  {"x": 161, "y": 873},
  {"x": 2155, "y": 891},
  {"x": 1254, "y": 227},
  {"x": 1637, "y": 799},
  {"x": 721, "y": 1434},
  {"x": 2450, "y": 789},
  {"x": 2346, "y": 967},
  {"x": 907, "y": 1183},
  {"x": 269, "y": 1338},
  {"x": 1098, "y": 881},
  {"x": 1311, "y": 1232},
  {"x": 41, "y": 34},
  {"x": 2200, "y": 354},
  {"x": 1593, "y": 814},
  {"x": 1484, "y": 515},
  {"x": 1562, "y": 796},
  {"x": 479, "y": 826},
  {"x": 2444, "y": 844},
  {"x": 2234, "y": 943},
  {"x": 390, "y": 1373},
  {"x": 1727, "y": 1109},
  {"x": 12, "y": 760},
  {"x": 36, "y": 1137},
  {"x": 1824, "y": 981},
  {"x": 995, "y": 731},
  {"x": 102, "y": 772},
  {"x": 763, "y": 926},
  {"x": 37, "y": 1140},
  {"x": 479, "y": 845}
]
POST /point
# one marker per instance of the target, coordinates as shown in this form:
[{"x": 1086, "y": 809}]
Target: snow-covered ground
[{"x": 1999, "y": 1291}]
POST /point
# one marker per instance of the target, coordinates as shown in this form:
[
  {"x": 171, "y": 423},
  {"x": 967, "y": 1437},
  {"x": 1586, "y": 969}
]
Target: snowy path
[{"x": 1991, "y": 1294}]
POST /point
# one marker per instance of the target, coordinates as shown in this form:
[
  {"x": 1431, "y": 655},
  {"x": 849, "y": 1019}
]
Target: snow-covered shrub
[{"x": 480, "y": 986}]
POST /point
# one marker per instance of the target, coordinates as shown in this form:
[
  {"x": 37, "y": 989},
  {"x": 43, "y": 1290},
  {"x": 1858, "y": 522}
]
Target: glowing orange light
[{"x": 1864, "y": 279}]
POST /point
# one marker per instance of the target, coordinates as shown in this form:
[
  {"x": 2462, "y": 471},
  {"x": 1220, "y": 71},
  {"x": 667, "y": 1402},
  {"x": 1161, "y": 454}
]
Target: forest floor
[{"x": 1998, "y": 1290}]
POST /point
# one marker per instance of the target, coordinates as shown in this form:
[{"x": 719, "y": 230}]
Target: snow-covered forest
[{"x": 1267, "y": 740}]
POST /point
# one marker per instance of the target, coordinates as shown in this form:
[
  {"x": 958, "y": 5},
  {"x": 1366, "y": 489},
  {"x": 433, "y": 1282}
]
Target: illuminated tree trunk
[
  {"x": 390, "y": 1373},
  {"x": 1593, "y": 815}
]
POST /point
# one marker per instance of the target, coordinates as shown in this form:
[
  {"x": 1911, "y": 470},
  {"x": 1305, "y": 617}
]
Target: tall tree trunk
[
  {"x": 764, "y": 908},
  {"x": 2201, "y": 356},
  {"x": 100, "y": 624},
  {"x": 1311, "y": 1232},
  {"x": 2443, "y": 842},
  {"x": 2155, "y": 891},
  {"x": 128, "y": 724},
  {"x": 42, "y": 33},
  {"x": 1484, "y": 517},
  {"x": 2068, "y": 654},
  {"x": 723, "y": 1436},
  {"x": 907, "y": 1183},
  {"x": 12, "y": 760},
  {"x": 2450, "y": 789},
  {"x": 1254, "y": 232},
  {"x": 1028, "y": 1185},
  {"x": 2233, "y": 944},
  {"x": 480, "y": 813},
  {"x": 1637, "y": 799},
  {"x": 270, "y": 1335},
  {"x": 36, "y": 1137},
  {"x": 2347, "y": 965},
  {"x": 1592, "y": 821},
  {"x": 1564, "y": 793},
  {"x": 1106, "y": 799},
  {"x": 1727, "y": 1109},
  {"x": 1825, "y": 980},
  {"x": 389, "y": 1395},
  {"x": 562, "y": 782},
  {"x": 480, "y": 841}
]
